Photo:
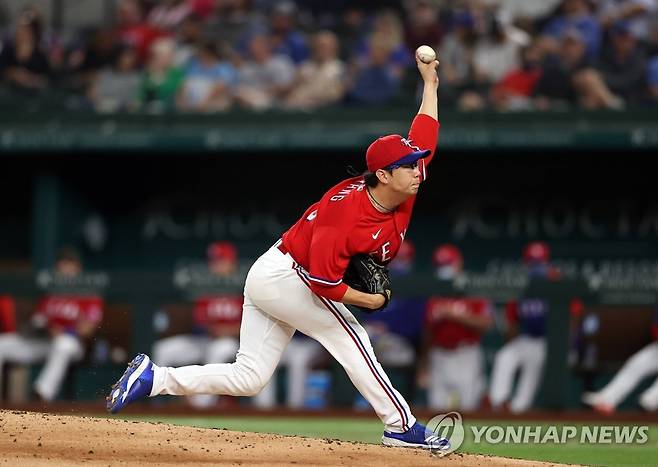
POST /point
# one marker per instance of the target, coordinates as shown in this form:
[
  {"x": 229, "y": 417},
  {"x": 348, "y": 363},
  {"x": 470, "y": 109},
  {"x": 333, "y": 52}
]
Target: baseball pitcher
[{"x": 299, "y": 284}]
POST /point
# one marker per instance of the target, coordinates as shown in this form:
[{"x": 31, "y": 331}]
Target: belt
[{"x": 282, "y": 248}]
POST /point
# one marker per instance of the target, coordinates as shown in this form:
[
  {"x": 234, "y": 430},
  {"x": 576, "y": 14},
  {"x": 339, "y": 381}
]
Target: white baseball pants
[
  {"x": 58, "y": 353},
  {"x": 297, "y": 358},
  {"x": 277, "y": 301},
  {"x": 188, "y": 349},
  {"x": 642, "y": 364},
  {"x": 456, "y": 378},
  {"x": 523, "y": 353}
]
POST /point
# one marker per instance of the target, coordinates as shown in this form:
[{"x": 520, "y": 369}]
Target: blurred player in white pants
[
  {"x": 452, "y": 362},
  {"x": 216, "y": 325},
  {"x": 642, "y": 364},
  {"x": 69, "y": 321},
  {"x": 298, "y": 358},
  {"x": 526, "y": 349}
]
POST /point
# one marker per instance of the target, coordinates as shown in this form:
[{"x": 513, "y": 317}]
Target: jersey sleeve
[
  {"x": 329, "y": 257},
  {"x": 424, "y": 133}
]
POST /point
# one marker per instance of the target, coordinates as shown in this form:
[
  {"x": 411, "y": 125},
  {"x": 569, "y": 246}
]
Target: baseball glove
[{"x": 365, "y": 275}]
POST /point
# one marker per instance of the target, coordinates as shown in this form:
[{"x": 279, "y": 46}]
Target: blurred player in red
[
  {"x": 642, "y": 364},
  {"x": 526, "y": 349},
  {"x": 215, "y": 338},
  {"x": 70, "y": 320},
  {"x": 452, "y": 362}
]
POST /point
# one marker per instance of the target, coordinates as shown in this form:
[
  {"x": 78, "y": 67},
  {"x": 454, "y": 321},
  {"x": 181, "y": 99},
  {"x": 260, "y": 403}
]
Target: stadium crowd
[{"x": 215, "y": 55}]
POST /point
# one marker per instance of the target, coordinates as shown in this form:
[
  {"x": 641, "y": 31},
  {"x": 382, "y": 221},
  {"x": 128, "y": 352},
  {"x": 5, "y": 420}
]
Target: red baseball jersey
[
  {"x": 345, "y": 223},
  {"x": 7, "y": 314},
  {"x": 214, "y": 310},
  {"x": 448, "y": 333},
  {"x": 66, "y": 311}
]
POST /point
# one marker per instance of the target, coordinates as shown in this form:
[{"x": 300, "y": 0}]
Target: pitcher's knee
[{"x": 251, "y": 379}]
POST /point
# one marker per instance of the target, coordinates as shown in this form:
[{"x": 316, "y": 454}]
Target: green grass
[{"x": 369, "y": 431}]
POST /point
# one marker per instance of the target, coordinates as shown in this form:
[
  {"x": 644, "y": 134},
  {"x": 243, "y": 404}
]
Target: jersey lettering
[
  {"x": 312, "y": 215},
  {"x": 346, "y": 191},
  {"x": 385, "y": 252}
]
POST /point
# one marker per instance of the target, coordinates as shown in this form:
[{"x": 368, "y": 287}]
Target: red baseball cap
[
  {"x": 218, "y": 251},
  {"x": 392, "y": 149},
  {"x": 536, "y": 252},
  {"x": 447, "y": 254}
]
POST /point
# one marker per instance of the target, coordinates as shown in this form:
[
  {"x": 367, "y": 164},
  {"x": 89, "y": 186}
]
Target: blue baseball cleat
[
  {"x": 416, "y": 437},
  {"x": 135, "y": 383}
]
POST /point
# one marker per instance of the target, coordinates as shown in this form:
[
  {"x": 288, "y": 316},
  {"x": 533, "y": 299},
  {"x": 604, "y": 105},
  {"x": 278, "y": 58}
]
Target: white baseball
[{"x": 426, "y": 54}]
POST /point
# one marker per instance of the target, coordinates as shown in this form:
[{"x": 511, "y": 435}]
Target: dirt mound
[{"x": 40, "y": 439}]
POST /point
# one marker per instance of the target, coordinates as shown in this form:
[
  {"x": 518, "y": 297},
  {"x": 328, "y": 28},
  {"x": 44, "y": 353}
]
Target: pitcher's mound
[{"x": 39, "y": 439}]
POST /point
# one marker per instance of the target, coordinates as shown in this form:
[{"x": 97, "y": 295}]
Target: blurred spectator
[
  {"x": 217, "y": 317},
  {"x": 320, "y": 81},
  {"x": 525, "y": 350},
  {"x": 188, "y": 36},
  {"x": 23, "y": 64},
  {"x": 389, "y": 33},
  {"x": 375, "y": 80},
  {"x": 115, "y": 87},
  {"x": 299, "y": 358},
  {"x": 568, "y": 80},
  {"x": 642, "y": 364},
  {"x": 265, "y": 78},
  {"x": 422, "y": 26},
  {"x": 161, "y": 79},
  {"x": 168, "y": 15},
  {"x": 637, "y": 13},
  {"x": 495, "y": 53},
  {"x": 98, "y": 51},
  {"x": 652, "y": 79},
  {"x": 209, "y": 81},
  {"x": 624, "y": 65},
  {"x": 451, "y": 362},
  {"x": 457, "y": 70},
  {"x": 578, "y": 15},
  {"x": 70, "y": 321},
  {"x": 519, "y": 11},
  {"x": 133, "y": 30},
  {"x": 514, "y": 91},
  {"x": 285, "y": 39},
  {"x": 351, "y": 30},
  {"x": 233, "y": 20}
]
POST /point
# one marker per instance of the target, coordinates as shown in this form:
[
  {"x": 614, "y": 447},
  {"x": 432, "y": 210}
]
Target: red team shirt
[
  {"x": 344, "y": 223},
  {"x": 447, "y": 333},
  {"x": 65, "y": 311},
  {"x": 218, "y": 310},
  {"x": 7, "y": 314}
]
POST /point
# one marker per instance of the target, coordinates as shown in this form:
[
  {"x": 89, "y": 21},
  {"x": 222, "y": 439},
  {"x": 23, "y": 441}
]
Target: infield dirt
[{"x": 41, "y": 439}]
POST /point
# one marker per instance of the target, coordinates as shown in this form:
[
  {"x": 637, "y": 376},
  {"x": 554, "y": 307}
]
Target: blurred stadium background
[{"x": 135, "y": 135}]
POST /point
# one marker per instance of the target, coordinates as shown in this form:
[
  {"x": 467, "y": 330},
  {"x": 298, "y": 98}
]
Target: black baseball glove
[{"x": 365, "y": 275}]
